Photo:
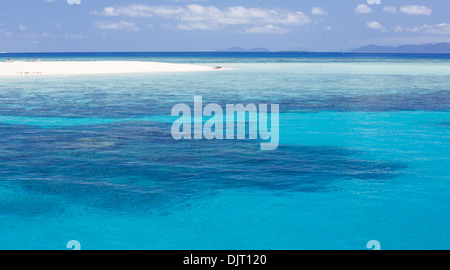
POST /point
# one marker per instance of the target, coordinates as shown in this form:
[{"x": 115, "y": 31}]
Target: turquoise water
[{"x": 364, "y": 155}]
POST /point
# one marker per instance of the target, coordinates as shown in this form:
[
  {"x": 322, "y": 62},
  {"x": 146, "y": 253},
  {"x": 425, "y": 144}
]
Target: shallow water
[{"x": 364, "y": 151}]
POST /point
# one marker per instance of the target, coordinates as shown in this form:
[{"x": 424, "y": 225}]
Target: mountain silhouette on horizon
[
  {"x": 239, "y": 49},
  {"x": 438, "y": 48}
]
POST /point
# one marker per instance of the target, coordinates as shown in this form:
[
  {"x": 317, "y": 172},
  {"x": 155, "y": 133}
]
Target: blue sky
[{"x": 208, "y": 25}]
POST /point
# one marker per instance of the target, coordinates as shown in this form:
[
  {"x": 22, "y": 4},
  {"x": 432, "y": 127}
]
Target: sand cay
[{"x": 24, "y": 68}]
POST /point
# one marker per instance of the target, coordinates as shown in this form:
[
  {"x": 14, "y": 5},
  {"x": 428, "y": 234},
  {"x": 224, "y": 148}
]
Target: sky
[{"x": 209, "y": 25}]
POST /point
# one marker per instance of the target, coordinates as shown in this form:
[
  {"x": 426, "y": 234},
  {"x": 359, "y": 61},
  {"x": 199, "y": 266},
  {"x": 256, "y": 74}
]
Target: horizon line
[{"x": 230, "y": 52}]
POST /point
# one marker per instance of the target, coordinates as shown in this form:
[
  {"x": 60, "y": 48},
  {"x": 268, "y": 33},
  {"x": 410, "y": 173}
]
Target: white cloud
[
  {"x": 196, "y": 26},
  {"x": 125, "y": 25},
  {"x": 375, "y": 26},
  {"x": 74, "y": 2},
  {"x": 362, "y": 8},
  {"x": 35, "y": 35},
  {"x": 177, "y": 1},
  {"x": 268, "y": 29},
  {"x": 210, "y": 17},
  {"x": 28, "y": 35},
  {"x": 443, "y": 28},
  {"x": 130, "y": 11},
  {"x": 22, "y": 27},
  {"x": 397, "y": 29},
  {"x": 318, "y": 11},
  {"x": 416, "y": 10},
  {"x": 70, "y": 2},
  {"x": 390, "y": 9}
]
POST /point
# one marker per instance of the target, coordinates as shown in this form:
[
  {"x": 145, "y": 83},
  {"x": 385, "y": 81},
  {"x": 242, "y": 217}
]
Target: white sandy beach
[{"x": 22, "y": 68}]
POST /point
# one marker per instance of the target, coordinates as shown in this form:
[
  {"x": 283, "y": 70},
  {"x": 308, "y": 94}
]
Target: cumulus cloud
[
  {"x": 443, "y": 28},
  {"x": 177, "y": 1},
  {"x": 22, "y": 27},
  {"x": 35, "y": 35},
  {"x": 268, "y": 29},
  {"x": 317, "y": 11},
  {"x": 131, "y": 26},
  {"x": 74, "y": 2},
  {"x": 390, "y": 9},
  {"x": 416, "y": 10},
  {"x": 70, "y": 2},
  {"x": 397, "y": 29},
  {"x": 196, "y": 26},
  {"x": 209, "y": 17},
  {"x": 375, "y": 26},
  {"x": 362, "y": 8}
]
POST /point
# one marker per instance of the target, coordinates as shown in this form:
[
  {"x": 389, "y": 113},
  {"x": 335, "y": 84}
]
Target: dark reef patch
[{"x": 139, "y": 164}]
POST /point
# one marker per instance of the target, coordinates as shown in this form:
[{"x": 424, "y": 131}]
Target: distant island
[
  {"x": 439, "y": 48},
  {"x": 239, "y": 49}
]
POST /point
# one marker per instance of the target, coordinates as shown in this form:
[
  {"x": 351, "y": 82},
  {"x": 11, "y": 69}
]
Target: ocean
[{"x": 364, "y": 154}]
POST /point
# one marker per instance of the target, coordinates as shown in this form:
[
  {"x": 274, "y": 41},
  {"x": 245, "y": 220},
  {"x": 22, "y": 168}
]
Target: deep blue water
[
  {"x": 227, "y": 57},
  {"x": 364, "y": 155}
]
